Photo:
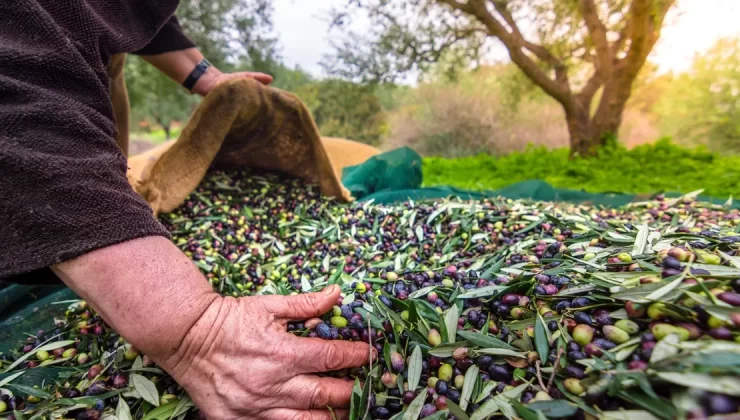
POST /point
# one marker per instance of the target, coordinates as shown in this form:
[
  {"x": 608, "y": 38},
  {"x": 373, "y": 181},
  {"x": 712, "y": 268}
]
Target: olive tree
[{"x": 585, "y": 54}]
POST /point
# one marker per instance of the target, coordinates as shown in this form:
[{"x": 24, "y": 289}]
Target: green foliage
[
  {"x": 233, "y": 34},
  {"x": 703, "y": 105},
  {"x": 340, "y": 108},
  {"x": 154, "y": 96},
  {"x": 348, "y": 110},
  {"x": 662, "y": 166}
]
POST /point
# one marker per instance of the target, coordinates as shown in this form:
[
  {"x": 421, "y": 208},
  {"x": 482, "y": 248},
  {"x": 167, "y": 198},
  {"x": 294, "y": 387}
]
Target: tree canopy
[
  {"x": 571, "y": 49},
  {"x": 233, "y": 34}
]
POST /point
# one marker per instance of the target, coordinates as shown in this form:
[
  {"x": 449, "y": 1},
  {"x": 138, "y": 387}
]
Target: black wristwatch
[{"x": 197, "y": 72}]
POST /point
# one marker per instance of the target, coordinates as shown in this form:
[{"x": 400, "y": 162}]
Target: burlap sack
[{"x": 242, "y": 123}]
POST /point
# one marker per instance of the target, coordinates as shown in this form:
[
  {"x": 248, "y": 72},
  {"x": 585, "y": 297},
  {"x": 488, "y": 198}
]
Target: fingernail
[{"x": 330, "y": 290}]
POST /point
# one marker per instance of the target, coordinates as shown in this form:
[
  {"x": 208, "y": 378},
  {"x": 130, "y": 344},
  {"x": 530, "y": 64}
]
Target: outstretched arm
[
  {"x": 233, "y": 356},
  {"x": 175, "y": 55}
]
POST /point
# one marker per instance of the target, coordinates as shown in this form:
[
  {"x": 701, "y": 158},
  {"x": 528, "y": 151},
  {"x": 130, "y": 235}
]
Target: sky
[{"x": 693, "y": 26}]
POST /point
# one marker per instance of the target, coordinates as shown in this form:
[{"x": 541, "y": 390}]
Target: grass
[{"x": 649, "y": 168}]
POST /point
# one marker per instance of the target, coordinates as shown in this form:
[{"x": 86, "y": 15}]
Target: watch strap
[{"x": 194, "y": 75}]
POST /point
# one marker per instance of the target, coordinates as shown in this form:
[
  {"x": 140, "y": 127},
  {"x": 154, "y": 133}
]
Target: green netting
[{"x": 390, "y": 177}]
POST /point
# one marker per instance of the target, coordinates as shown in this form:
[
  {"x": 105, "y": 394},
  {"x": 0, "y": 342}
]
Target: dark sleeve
[
  {"x": 169, "y": 38},
  {"x": 63, "y": 185}
]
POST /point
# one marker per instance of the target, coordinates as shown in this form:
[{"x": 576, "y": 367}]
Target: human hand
[
  {"x": 214, "y": 77},
  {"x": 238, "y": 360}
]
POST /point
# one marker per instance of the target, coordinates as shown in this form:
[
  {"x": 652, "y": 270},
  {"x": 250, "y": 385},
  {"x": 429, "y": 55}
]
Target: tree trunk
[
  {"x": 166, "y": 129},
  {"x": 589, "y": 133},
  {"x": 582, "y": 143}
]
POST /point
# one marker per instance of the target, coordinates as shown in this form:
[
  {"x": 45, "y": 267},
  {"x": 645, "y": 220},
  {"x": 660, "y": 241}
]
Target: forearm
[
  {"x": 146, "y": 289},
  {"x": 177, "y": 65}
]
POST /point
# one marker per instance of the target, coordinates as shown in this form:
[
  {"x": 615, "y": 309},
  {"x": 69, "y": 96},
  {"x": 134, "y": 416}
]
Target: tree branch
[
  {"x": 514, "y": 42},
  {"x": 644, "y": 24},
  {"x": 538, "y": 50},
  {"x": 586, "y": 95},
  {"x": 597, "y": 32},
  {"x": 463, "y": 7}
]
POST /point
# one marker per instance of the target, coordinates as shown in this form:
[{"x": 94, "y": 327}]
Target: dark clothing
[
  {"x": 63, "y": 186},
  {"x": 169, "y": 38}
]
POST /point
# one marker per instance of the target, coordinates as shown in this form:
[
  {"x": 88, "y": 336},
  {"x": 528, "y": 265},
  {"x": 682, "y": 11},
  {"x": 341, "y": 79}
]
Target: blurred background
[{"x": 604, "y": 95}]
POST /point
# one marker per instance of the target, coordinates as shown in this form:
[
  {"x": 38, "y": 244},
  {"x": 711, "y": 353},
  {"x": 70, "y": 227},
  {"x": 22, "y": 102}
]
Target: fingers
[
  {"x": 303, "y": 306},
  {"x": 313, "y": 392},
  {"x": 286, "y": 414},
  {"x": 263, "y": 78},
  {"x": 318, "y": 355}
]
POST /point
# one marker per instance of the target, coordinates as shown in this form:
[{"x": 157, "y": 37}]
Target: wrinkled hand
[
  {"x": 213, "y": 77},
  {"x": 238, "y": 360}
]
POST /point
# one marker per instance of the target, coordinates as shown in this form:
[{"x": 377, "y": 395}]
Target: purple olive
[
  {"x": 573, "y": 371},
  {"x": 427, "y": 410},
  {"x": 722, "y": 404},
  {"x": 730, "y": 298},
  {"x": 721, "y": 333},
  {"x": 380, "y": 412}
]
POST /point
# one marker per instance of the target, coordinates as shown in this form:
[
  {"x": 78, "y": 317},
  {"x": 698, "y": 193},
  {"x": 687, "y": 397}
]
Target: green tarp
[{"x": 390, "y": 177}]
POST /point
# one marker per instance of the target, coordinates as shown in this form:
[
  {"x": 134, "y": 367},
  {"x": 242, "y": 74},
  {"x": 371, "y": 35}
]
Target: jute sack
[{"x": 241, "y": 123}]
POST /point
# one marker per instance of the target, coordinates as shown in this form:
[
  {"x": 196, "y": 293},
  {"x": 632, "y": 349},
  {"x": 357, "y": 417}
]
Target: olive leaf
[
  {"x": 722, "y": 384},
  {"x": 387, "y": 355},
  {"x": 524, "y": 412},
  {"x": 484, "y": 291},
  {"x": 734, "y": 261},
  {"x": 422, "y": 292},
  {"x": 138, "y": 363},
  {"x": 540, "y": 338},
  {"x": 657, "y": 294},
  {"x": 123, "y": 412},
  {"x": 471, "y": 376},
  {"x": 446, "y": 350},
  {"x": 627, "y": 415},
  {"x": 484, "y": 340},
  {"x": 486, "y": 391},
  {"x": 355, "y": 402},
  {"x": 182, "y": 406},
  {"x": 451, "y": 319},
  {"x": 501, "y": 352},
  {"x": 414, "y": 409},
  {"x": 640, "y": 240},
  {"x": 494, "y": 268},
  {"x": 415, "y": 368},
  {"x": 721, "y": 312},
  {"x": 10, "y": 378},
  {"x": 657, "y": 406},
  {"x": 665, "y": 348},
  {"x": 24, "y": 390},
  {"x": 457, "y": 411},
  {"x": 486, "y": 410},
  {"x": 556, "y": 409},
  {"x": 146, "y": 389},
  {"x": 163, "y": 412},
  {"x": 626, "y": 352},
  {"x": 46, "y": 346},
  {"x": 638, "y": 294}
]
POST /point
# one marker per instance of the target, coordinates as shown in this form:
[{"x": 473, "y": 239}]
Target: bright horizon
[{"x": 692, "y": 28}]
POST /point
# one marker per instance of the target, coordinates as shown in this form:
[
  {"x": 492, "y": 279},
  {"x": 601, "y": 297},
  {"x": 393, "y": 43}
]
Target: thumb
[{"x": 303, "y": 306}]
